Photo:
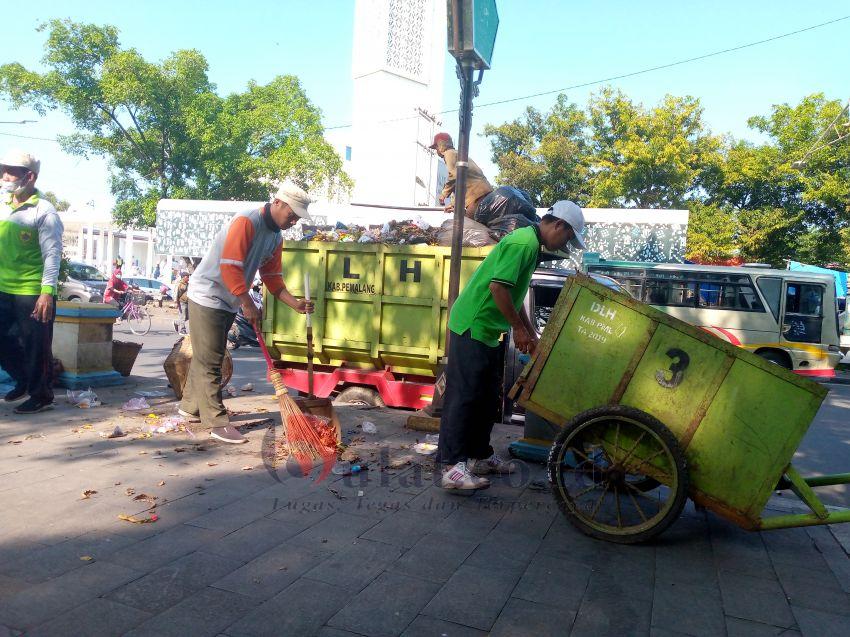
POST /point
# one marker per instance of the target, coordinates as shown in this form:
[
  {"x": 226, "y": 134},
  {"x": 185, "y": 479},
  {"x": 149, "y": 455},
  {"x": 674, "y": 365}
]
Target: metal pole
[{"x": 467, "y": 87}]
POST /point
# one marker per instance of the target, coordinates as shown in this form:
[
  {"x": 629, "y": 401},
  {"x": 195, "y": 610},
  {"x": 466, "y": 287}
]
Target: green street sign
[{"x": 472, "y": 27}]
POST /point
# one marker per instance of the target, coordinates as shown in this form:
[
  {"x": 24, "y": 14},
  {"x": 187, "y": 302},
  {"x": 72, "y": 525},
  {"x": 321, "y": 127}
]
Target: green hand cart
[{"x": 650, "y": 410}]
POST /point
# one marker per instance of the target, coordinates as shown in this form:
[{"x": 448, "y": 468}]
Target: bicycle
[{"x": 134, "y": 313}]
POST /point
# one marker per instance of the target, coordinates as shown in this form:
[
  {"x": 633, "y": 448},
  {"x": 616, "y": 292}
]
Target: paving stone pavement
[{"x": 242, "y": 550}]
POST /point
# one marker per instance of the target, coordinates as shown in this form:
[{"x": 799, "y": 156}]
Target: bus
[{"x": 787, "y": 317}]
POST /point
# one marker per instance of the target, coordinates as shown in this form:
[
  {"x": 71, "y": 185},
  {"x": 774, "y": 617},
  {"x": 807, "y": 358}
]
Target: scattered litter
[
  {"x": 538, "y": 485},
  {"x": 212, "y": 464},
  {"x": 143, "y": 453},
  {"x": 338, "y": 495},
  {"x": 83, "y": 399},
  {"x": 179, "y": 449},
  {"x": 432, "y": 439},
  {"x": 87, "y": 494},
  {"x": 247, "y": 468},
  {"x": 135, "y": 404},
  {"x": 151, "y": 393},
  {"x": 135, "y": 520},
  {"x": 166, "y": 425},
  {"x": 161, "y": 483},
  {"x": 341, "y": 468},
  {"x": 247, "y": 387},
  {"x": 86, "y": 558},
  {"x": 425, "y": 448},
  {"x": 129, "y": 491},
  {"x": 360, "y": 493},
  {"x": 115, "y": 433},
  {"x": 144, "y": 497},
  {"x": 230, "y": 390},
  {"x": 369, "y": 427},
  {"x": 14, "y": 442},
  {"x": 33, "y": 436},
  {"x": 77, "y": 430}
]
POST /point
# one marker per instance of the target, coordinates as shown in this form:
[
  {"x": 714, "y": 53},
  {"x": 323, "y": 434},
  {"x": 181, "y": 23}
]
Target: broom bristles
[{"x": 304, "y": 442}]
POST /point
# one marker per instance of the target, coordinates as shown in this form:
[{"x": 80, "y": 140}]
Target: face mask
[{"x": 11, "y": 187}]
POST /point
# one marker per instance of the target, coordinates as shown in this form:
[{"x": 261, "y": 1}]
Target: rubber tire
[
  {"x": 679, "y": 498},
  {"x": 774, "y": 357},
  {"x": 357, "y": 395}
]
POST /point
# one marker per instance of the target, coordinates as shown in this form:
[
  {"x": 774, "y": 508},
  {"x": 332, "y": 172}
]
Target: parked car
[
  {"x": 88, "y": 274},
  {"x": 73, "y": 290},
  {"x": 151, "y": 287},
  {"x": 85, "y": 284}
]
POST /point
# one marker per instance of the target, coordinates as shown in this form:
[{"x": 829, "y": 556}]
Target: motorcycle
[{"x": 242, "y": 332}]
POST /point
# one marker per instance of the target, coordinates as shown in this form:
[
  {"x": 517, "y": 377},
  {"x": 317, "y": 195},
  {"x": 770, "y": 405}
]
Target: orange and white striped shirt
[{"x": 250, "y": 241}]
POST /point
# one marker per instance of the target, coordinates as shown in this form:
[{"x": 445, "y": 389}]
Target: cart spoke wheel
[{"x": 618, "y": 474}]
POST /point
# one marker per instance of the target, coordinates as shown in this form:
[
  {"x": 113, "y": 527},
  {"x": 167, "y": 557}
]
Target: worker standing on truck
[
  {"x": 490, "y": 305},
  {"x": 251, "y": 240},
  {"x": 477, "y": 186}
]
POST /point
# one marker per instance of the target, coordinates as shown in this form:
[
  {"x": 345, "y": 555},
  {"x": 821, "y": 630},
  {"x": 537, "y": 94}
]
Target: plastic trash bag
[
  {"x": 135, "y": 404},
  {"x": 475, "y": 235},
  {"x": 501, "y": 226},
  {"x": 83, "y": 399},
  {"x": 503, "y": 202}
]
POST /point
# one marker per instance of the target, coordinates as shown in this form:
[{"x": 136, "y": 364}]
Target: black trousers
[
  {"x": 26, "y": 351},
  {"x": 473, "y": 387}
]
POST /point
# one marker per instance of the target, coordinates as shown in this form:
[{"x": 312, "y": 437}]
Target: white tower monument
[{"x": 398, "y": 61}]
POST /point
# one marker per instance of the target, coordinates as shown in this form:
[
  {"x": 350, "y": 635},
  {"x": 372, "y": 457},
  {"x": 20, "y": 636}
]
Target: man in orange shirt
[{"x": 251, "y": 240}]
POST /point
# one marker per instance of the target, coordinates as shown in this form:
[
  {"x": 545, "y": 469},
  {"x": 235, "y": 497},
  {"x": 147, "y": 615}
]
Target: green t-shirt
[{"x": 512, "y": 262}]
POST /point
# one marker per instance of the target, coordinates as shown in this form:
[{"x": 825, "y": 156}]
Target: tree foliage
[
  {"x": 746, "y": 200},
  {"x": 163, "y": 128}
]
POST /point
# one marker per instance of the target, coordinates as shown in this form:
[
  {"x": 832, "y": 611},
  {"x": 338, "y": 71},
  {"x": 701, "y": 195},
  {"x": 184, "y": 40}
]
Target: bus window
[
  {"x": 803, "y": 312},
  {"x": 771, "y": 288}
]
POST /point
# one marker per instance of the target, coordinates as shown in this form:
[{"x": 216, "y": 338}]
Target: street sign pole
[
  {"x": 472, "y": 26},
  {"x": 465, "y": 70}
]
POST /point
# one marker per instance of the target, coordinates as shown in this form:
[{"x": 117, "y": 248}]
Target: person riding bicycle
[{"x": 116, "y": 290}]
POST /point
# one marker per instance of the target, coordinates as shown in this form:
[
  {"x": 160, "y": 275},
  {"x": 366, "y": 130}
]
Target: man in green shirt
[
  {"x": 30, "y": 252},
  {"x": 490, "y": 305}
]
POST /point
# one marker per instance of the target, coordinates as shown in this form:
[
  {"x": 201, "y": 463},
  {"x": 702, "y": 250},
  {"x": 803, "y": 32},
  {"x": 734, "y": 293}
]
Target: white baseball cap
[
  {"x": 297, "y": 199},
  {"x": 20, "y": 159},
  {"x": 572, "y": 214}
]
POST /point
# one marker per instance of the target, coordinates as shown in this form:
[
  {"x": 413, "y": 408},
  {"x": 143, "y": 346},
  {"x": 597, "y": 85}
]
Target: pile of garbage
[
  {"x": 407, "y": 232},
  {"x": 499, "y": 213}
]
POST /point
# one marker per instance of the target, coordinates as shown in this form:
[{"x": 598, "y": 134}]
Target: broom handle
[
  {"x": 263, "y": 347},
  {"x": 309, "y": 338}
]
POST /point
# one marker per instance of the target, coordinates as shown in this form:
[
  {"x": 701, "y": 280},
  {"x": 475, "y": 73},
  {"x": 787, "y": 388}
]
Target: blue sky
[{"x": 541, "y": 45}]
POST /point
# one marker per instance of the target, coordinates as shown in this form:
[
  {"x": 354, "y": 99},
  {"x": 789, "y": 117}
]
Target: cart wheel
[
  {"x": 359, "y": 396},
  {"x": 618, "y": 474}
]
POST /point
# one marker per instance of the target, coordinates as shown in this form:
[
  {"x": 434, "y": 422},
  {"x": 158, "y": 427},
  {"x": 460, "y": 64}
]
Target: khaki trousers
[{"x": 202, "y": 395}]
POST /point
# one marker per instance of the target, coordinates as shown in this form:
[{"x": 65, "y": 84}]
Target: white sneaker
[
  {"x": 459, "y": 477},
  {"x": 493, "y": 464}
]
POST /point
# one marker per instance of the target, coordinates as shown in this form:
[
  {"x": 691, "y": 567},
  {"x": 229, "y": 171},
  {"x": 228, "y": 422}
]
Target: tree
[
  {"x": 546, "y": 155},
  {"x": 60, "y": 204},
  {"x": 648, "y": 158},
  {"x": 163, "y": 128},
  {"x": 785, "y": 212}
]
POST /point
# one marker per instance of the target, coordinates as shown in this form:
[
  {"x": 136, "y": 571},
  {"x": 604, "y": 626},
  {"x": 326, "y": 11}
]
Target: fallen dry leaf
[
  {"x": 129, "y": 491},
  {"x": 88, "y": 493},
  {"x": 143, "y": 453},
  {"x": 212, "y": 464},
  {"x": 161, "y": 483},
  {"x": 135, "y": 520},
  {"x": 247, "y": 468},
  {"x": 86, "y": 558},
  {"x": 179, "y": 449},
  {"x": 14, "y": 442},
  {"x": 146, "y": 498}
]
